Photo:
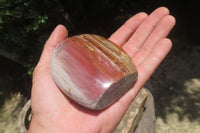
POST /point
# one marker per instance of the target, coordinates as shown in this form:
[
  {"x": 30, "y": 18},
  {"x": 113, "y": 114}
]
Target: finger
[
  {"x": 43, "y": 85},
  {"x": 127, "y": 29},
  {"x": 58, "y": 35},
  {"x": 151, "y": 62},
  {"x": 160, "y": 31},
  {"x": 42, "y": 68},
  {"x": 145, "y": 70},
  {"x": 144, "y": 30},
  {"x": 149, "y": 65}
]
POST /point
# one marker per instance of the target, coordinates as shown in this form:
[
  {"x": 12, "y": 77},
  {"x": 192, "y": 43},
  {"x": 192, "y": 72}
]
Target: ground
[{"x": 176, "y": 89}]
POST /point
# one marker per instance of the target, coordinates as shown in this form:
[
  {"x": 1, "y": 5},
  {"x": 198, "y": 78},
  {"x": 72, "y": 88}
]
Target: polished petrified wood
[{"x": 92, "y": 70}]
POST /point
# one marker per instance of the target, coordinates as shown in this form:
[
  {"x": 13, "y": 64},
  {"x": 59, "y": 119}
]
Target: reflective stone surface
[{"x": 92, "y": 70}]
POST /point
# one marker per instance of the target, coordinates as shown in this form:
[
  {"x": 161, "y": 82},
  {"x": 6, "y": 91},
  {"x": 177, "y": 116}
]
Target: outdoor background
[{"x": 26, "y": 24}]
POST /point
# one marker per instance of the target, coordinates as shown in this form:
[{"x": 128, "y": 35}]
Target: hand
[{"x": 143, "y": 37}]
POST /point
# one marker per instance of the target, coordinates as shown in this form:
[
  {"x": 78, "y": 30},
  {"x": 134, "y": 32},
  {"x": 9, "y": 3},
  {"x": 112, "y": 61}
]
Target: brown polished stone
[{"x": 92, "y": 70}]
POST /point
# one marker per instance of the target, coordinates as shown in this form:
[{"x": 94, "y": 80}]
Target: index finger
[{"x": 127, "y": 29}]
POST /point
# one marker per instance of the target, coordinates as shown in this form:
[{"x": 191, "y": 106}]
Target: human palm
[{"x": 143, "y": 37}]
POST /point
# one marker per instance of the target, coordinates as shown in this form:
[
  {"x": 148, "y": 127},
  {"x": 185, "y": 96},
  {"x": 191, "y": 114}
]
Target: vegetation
[{"x": 26, "y": 24}]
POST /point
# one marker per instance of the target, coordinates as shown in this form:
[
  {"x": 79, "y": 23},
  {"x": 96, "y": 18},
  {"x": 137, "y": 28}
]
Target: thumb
[{"x": 58, "y": 35}]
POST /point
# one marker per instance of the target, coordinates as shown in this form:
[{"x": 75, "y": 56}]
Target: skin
[{"x": 143, "y": 37}]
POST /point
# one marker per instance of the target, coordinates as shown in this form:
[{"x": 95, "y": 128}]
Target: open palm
[{"x": 143, "y": 37}]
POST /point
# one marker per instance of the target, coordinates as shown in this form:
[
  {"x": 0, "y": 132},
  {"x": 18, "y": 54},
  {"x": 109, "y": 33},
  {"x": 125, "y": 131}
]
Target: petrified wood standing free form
[{"x": 92, "y": 70}]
